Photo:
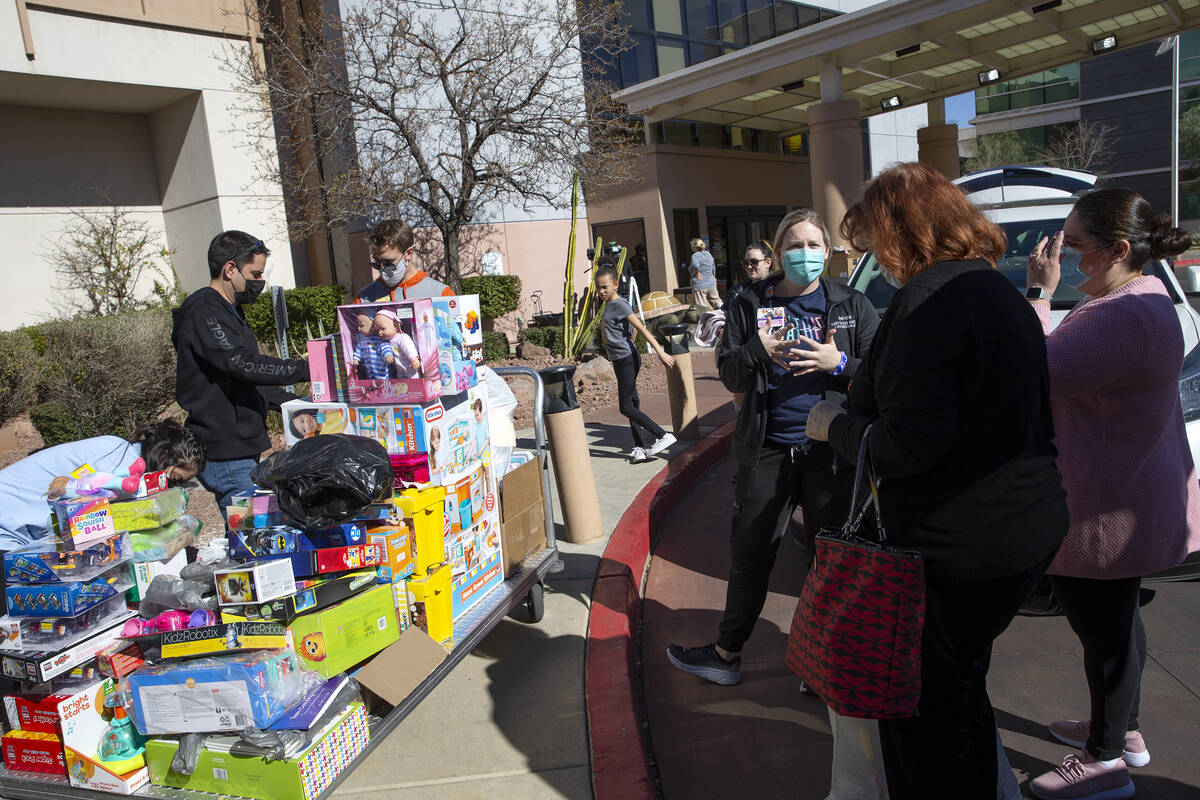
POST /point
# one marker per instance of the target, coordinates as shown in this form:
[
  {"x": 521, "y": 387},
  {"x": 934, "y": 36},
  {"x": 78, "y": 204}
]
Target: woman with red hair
[{"x": 956, "y": 394}]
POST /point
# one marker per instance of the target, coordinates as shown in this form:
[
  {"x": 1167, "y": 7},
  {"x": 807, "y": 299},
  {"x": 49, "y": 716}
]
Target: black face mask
[{"x": 249, "y": 294}]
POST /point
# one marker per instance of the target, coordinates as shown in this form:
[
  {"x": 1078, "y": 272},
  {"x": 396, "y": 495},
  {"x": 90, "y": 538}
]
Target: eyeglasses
[
  {"x": 377, "y": 264},
  {"x": 754, "y": 262},
  {"x": 257, "y": 247}
]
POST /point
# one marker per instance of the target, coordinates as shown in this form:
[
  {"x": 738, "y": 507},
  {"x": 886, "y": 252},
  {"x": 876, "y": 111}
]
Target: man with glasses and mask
[
  {"x": 221, "y": 379},
  {"x": 392, "y": 257}
]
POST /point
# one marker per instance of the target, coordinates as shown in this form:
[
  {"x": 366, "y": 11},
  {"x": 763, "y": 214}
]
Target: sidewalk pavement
[
  {"x": 764, "y": 739},
  {"x": 510, "y": 720}
]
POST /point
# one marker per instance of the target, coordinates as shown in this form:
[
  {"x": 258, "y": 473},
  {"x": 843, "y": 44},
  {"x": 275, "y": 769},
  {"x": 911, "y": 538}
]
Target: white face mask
[
  {"x": 891, "y": 279},
  {"x": 394, "y": 274}
]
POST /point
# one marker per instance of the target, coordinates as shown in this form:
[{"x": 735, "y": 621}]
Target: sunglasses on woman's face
[{"x": 754, "y": 262}]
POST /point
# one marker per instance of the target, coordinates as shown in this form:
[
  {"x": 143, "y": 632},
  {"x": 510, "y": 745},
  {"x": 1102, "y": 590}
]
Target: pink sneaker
[
  {"x": 1083, "y": 778},
  {"x": 1076, "y": 732}
]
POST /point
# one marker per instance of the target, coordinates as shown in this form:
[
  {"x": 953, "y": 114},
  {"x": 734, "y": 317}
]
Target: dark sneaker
[{"x": 704, "y": 662}]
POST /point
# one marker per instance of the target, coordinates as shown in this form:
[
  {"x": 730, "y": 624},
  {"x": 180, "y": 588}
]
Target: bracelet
[{"x": 841, "y": 365}]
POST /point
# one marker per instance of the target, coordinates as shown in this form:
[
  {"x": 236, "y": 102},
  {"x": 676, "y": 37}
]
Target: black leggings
[
  {"x": 1106, "y": 618},
  {"x": 765, "y": 495},
  {"x": 627, "y": 400}
]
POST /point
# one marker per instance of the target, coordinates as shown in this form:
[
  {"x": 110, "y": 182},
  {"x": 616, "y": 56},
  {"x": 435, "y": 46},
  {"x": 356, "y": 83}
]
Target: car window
[{"x": 1023, "y": 236}]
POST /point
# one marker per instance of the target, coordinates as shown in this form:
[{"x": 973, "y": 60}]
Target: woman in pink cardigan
[{"x": 1131, "y": 486}]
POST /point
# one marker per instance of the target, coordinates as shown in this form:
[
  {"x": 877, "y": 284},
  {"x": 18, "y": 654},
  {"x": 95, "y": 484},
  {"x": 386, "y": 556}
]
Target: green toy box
[
  {"x": 336, "y": 638},
  {"x": 302, "y": 777}
]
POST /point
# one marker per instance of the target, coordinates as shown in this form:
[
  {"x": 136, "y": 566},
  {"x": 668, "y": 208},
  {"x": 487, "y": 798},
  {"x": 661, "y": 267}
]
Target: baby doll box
[
  {"x": 373, "y": 382},
  {"x": 304, "y": 776},
  {"x": 305, "y": 418}
]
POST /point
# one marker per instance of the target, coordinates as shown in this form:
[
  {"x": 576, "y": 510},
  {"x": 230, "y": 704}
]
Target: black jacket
[
  {"x": 745, "y": 367},
  {"x": 957, "y": 394},
  {"x": 221, "y": 379}
]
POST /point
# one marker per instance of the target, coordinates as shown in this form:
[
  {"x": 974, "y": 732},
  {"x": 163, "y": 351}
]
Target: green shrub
[
  {"x": 545, "y": 337},
  {"x": 498, "y": 294},
  {"x": 18, "y": 374},
  {"x": 310, "y": 309},
  {"x": 495, "y": 346},
  {"x": 104, "y": 375}
]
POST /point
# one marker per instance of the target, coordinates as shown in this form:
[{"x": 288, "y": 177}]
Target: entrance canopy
[{"x": 905, "y": 52}]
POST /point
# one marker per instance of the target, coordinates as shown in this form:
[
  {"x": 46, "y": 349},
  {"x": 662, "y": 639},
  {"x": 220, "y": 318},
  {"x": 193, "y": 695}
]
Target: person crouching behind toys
[{"x": 24, "y": 486}]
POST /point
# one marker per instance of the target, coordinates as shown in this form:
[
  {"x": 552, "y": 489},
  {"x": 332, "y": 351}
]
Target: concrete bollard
[
  {"x": 572, "y": 459},
  {"x": 681, "y": 388}
]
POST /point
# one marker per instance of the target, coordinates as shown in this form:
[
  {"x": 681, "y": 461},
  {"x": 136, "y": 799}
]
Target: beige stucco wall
[
  {"x": 143, "y": 112},
  {"x": 695, "y": 178}
]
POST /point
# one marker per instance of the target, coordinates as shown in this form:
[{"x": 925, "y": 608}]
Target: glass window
[
  {"x": 700, "y": 18},
  {"x": 636, "y": 13},
  {"x": 699, "y": 52},
  {"x": 806, "y": 15},
  {"x": 785, "y": 17},
  {"x": 710, "y": 135},
  {"x": 670, "y": 56},
  {"x": 637, "y": 63},
  {"x": 796, "y": 145},
  {"x": 676, "y": 132},
  {"x": 731, "y": 19},
  {"x": 667, "y": 18},
  {"x": 758, "y": 18}
]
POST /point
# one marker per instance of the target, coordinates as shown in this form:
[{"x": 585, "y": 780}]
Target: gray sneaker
[
  {"x": 637, "y": 455},
  {"x": 660, "y": 444},
  {"x": 705, "y": 662}
]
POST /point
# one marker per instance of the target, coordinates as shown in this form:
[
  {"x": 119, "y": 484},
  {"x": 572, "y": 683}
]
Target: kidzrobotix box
[
  {"x": 206, "y": 695},
  {"x": 396, "y": 360},
  {"x": 305, "y": 418},
  {"x": 341, "y": 636},
  {"x": 84, "y": 724},
  {"x": 304, "y": 776}
]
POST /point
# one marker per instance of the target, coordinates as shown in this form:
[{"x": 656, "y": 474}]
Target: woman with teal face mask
[{"x": 792, "y": 339}]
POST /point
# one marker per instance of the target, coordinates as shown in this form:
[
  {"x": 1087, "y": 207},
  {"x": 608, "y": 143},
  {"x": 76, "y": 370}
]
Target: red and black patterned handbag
[{"x": 856, "y": 635}]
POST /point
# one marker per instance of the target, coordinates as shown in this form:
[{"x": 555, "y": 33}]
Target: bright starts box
[
  {"x": 303, "y": 419},
  {"x": 402, "y": 331},
  {"x": 336, "y": 638},
  {"x": 304, "y": 776},
  {"x": 84, "y": 724}
]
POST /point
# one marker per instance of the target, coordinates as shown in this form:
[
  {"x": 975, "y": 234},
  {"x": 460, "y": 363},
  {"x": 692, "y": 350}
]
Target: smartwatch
[{"x": 1037, "y": 293}]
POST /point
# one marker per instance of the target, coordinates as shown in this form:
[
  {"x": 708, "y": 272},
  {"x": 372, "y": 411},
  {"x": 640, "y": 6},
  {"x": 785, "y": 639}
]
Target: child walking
[{"x": 617, "y": 322}]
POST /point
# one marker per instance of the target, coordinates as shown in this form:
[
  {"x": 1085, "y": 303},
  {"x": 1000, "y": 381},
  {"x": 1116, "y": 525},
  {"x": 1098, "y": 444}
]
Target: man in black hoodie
[{"x": 221, "y": 379}]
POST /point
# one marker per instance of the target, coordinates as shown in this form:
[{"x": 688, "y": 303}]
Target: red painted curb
[{"x": 615, "y": 725}]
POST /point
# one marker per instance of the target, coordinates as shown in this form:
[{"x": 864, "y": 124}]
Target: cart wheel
[{"x": 535, "y": 603}]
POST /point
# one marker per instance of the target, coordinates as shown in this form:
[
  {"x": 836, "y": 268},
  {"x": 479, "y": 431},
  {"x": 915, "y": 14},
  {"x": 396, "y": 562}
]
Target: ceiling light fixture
[
  {"x": 989, "y": 76},
  {"x": 906, "y": 51},
  {"x": 793, "y": 86},
  {"x": 1104, "y": 44},
  {"x": 1046, "y": 6},
  {"x": 890, "y": 103}
]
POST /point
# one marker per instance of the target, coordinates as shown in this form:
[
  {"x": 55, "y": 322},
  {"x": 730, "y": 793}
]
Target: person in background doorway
[
  {"x": 618, "y": 321},
  {"x": 393, "y": 258},
  {"x": 704, "y": 276}
]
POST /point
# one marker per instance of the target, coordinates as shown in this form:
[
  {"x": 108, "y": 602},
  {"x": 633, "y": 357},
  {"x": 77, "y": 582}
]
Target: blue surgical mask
[
  {"x": 1068, "y": 264},
  {"x": 803, "y": 265}
]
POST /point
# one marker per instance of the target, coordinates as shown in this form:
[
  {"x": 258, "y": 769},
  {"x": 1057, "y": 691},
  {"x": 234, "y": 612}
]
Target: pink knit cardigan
[{"x": 1131, "y": 486}]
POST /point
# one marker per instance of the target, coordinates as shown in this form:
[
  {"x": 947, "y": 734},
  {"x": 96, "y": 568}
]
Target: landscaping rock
[
  {"x": 530, "y": 350},
  {"x": 594, "y": 372}
]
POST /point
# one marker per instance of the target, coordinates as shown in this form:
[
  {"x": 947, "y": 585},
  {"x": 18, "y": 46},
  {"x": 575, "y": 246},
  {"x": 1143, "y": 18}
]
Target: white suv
[{"x": 1032, "y": 202}]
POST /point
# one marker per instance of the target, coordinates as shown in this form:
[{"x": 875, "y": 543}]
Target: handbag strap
[{"x": 858, "y": 508}]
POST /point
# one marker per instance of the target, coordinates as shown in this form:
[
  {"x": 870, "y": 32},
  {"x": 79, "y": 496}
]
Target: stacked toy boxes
[{"x": 410, "y": 383}]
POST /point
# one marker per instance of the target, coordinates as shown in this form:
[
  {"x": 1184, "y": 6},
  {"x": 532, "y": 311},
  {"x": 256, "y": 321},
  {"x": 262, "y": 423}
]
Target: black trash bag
[{"x": 327, "y": 479}]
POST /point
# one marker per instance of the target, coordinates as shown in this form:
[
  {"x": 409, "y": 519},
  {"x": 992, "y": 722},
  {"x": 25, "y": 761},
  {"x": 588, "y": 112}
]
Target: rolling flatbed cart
[{"x": 524, "y": 587}]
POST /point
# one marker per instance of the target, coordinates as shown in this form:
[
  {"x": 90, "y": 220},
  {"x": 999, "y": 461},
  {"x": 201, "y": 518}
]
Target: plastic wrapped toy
[{"x": 122, "y": 747}]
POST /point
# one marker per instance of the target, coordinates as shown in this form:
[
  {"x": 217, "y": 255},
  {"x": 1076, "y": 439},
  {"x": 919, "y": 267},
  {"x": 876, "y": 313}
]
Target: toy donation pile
[{"x": 138, "y": 658}]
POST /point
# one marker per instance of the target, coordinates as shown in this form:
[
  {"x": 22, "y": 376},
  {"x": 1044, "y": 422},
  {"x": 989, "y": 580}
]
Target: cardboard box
[
  {"x": 325, "y": 369},
  {"x": 42, "y": 563},
  {"x": 254, "y": 583},
  {"x": 119, "y": 659},
  {"x": 460, "y": 341},
  {"x": 429, "y": 601},
  {"x": 396, "y": 544},
  {"x": 303, "y": 419},
  {"x": 84, "y": 724},
  {"x": 223, "y": 638},
  {"x": 32, "y": 751},
  {"x": 424, "y": 512},
  {"x": 39, "y": 667},
  {"x": 206, "y": 695},
  {"x": 392, "y": 675},
  {"x": 341, "y": 636},
  {"x": 522, "y": 516},
  {"x": 474, "y": 559},
  {"x": 400, "y": 598},
  {"x": 146, "y": 571},
  {"x": 35, "y": 712},
  {"x": 58, "y": 633},
  {"x": 66, "y": 599},
  {"x": 401, "y": 383},
  {"x": 328, "y": 560},
  {"x": 304, "y": 776},
  {"x": 81, "y": 521},
  {"x": 323, "y": 594}
]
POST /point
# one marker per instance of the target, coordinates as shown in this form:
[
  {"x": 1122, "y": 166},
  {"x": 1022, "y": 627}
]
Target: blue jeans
[{"x": 226, "y": 478}]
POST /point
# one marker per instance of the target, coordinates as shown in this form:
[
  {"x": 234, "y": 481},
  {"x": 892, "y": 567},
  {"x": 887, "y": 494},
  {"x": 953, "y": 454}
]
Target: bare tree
[
  {"x": 1085, "y": 146},
  {"x": 101, "y": 259},
  {"x": 454, "y": 107}
]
